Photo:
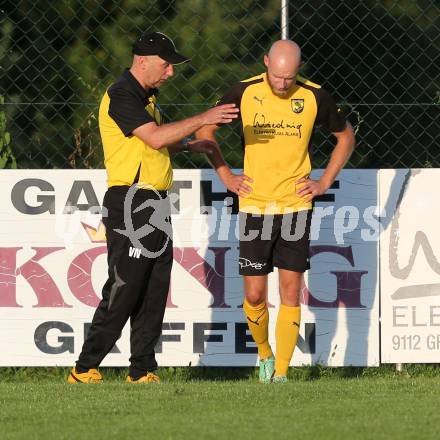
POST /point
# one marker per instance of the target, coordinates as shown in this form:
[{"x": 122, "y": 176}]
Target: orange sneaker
[
  {"x": 91, "y": 376},
  {"x": 148, "y": 378}
]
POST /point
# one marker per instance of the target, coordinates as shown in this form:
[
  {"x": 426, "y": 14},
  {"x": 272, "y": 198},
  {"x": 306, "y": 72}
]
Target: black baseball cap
[{"x": 156, "y": 43}]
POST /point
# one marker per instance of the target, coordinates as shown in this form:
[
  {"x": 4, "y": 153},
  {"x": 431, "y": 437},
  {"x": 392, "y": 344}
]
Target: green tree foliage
[
  {"x": 7, "y": 159},
  {"x": 62, "y": 55},
  {"x": 378, "y": 58}
]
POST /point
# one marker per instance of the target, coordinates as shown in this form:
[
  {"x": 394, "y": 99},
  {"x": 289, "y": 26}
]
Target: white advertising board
[
  {"x": 410, "y": 266},
  {"x": 53, "y": 266}
]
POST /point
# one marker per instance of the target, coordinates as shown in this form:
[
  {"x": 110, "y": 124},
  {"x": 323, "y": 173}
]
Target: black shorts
[{"x": 280, "y": 240}]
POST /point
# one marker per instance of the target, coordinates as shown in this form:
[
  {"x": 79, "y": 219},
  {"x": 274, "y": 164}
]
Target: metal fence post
[{"x": 284, "y": 19}]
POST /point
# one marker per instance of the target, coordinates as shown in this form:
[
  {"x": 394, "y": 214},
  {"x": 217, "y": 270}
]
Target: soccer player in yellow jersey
[{"x": 278, "y": 112}]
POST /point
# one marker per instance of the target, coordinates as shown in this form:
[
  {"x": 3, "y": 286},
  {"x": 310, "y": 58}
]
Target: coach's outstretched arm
[
  {"x": 234, "y": 182},
  {"x": 340, "y": 155},
  {"x": 160, "y": 136}
]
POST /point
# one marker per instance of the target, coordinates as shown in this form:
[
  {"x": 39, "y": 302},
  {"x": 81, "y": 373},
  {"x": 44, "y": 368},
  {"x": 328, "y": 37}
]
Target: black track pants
[{"x": 138, "y": 283}]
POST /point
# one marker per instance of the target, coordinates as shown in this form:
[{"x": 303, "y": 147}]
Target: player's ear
[{"x": 266, "y": 60}]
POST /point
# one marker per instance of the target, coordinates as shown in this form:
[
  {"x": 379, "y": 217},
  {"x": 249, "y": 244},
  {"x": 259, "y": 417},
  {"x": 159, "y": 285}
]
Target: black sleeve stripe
[
  {"x": 232, "y": 96},
  {"x": 329, "y": 116},
  {"x": 235, "y": 93},
  {"x": 127, "y": 110}
]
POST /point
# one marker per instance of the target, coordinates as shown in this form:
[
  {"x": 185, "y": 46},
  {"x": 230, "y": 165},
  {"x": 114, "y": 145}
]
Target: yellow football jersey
[{"x": 277, "y": 135}]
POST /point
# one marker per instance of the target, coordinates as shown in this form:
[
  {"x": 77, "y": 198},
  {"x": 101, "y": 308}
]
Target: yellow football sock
[
  {"x": 286, "y": 337},
  {"x": 258, "y": 322}
]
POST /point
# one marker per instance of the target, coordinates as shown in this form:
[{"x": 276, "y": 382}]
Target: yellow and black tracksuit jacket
[{"x": 125, "y": 106}]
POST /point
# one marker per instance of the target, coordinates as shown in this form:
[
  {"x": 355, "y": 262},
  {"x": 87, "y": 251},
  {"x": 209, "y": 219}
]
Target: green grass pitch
[{"x": 317, "y": 403}]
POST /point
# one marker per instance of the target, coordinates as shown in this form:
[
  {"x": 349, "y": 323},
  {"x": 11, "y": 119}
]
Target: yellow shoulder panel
[
  {"x": 253, "y": 78},
  {"x": 307, "y": 82}
]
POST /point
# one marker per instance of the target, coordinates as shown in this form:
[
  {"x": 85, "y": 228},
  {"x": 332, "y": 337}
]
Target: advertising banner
[
  {"x": 410, "y": 267},
  {"x": 53, "y": 266}
]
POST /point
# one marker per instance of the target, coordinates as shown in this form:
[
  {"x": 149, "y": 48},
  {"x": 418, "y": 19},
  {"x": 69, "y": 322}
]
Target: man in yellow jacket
[{"x": 137, "y": 146}]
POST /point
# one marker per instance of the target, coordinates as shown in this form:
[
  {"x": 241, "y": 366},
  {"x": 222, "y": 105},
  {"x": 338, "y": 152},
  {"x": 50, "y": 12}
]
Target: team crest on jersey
[{"x": 297, "y": 105}]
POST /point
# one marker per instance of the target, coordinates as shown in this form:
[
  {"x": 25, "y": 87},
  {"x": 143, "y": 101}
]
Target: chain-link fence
[{"x": 380, "y": 59}]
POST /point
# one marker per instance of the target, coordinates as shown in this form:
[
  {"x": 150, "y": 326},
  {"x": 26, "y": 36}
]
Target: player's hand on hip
[
  {"x": 201, "y": 146},
  {"x": 308, "y": 188},
  {"x": 236, "y": 183},
  {"x": 221, "y": 114}
]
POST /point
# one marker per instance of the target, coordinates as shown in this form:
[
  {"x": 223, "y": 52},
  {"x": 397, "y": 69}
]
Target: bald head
[
  {"x": 283, "y": 62},
  {"x": 285, "y": 54}
]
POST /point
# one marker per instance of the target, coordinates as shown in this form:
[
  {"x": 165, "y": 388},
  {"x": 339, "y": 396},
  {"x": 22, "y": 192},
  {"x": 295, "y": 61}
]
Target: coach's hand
[
  {"x": 221, "y": 114},
  {"x": 236, "y": 183},
  {"x": 310, "y": 188}
]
